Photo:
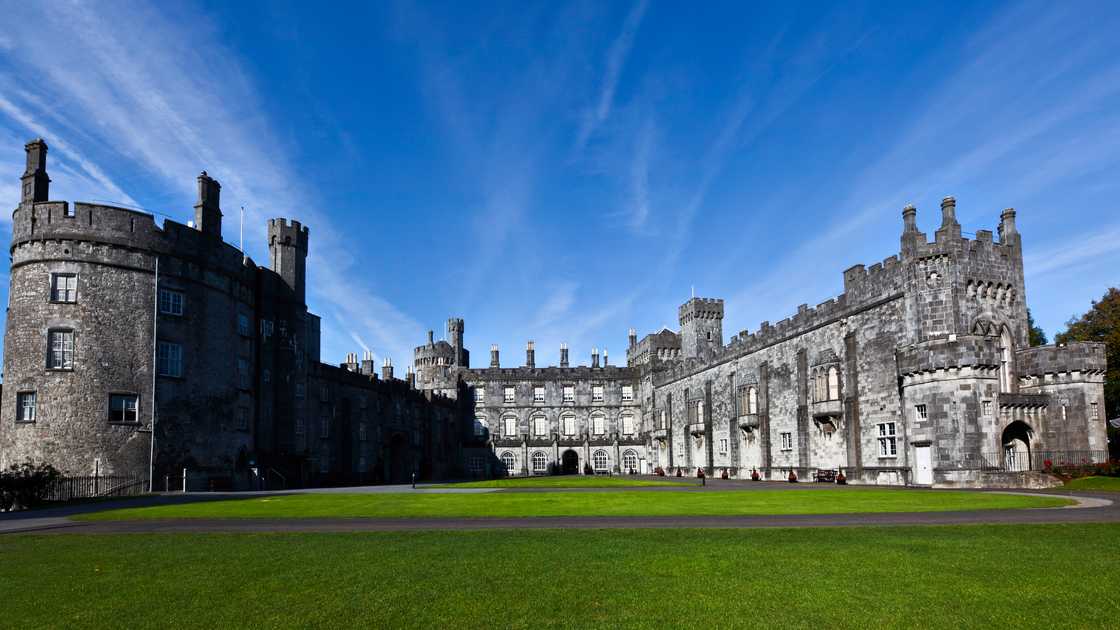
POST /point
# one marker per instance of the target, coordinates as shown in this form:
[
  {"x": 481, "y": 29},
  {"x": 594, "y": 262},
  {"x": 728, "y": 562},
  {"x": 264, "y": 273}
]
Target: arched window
[
  {"x": 629, "y": 461},
  {"x": 599, "y": 425},
  {"x": 1005, "y": 349},
  {"x": 509, "y": 462},
  {"x": 540, "y": 463},
  {"x": 833, "y": 383},
  {"x": 568, "y": 424},
  {"x": 599, "y": 460},
  {"x": 481, "y": 427},
  {"x": 752, "y": 400}
]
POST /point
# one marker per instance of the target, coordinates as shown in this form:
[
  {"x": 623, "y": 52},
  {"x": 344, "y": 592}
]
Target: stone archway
[
  {"x": 1016, "y": 445},
  {"x": 569, "y": 462}
]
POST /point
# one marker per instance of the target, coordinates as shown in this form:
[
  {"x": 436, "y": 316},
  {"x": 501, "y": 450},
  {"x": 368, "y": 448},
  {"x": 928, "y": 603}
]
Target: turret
[
  {"x": 287, "y": 247},
  {"x": 207, "y": 210},
  {"x": 36, "y": 184},
  {"x": 455, "y": 336},
  {"x": 1008, "y": 235},
  {"x": 701, "y": 322}
]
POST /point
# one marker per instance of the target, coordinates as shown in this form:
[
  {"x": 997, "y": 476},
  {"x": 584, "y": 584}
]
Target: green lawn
[
  {"x": 1110, "y": 484},
  {"x": 566, "y": 481},
  {"x": 1032, "y": 576},
  {"x": 621, "y": 503}
]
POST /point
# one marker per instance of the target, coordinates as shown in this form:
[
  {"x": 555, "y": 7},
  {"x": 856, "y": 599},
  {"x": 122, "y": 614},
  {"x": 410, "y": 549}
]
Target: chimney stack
[
  {"x": 494, "y": 356},
  {"x": 633, "y": 337},
  {"x": 949, "y": 229},
  {"x": 606, "y": 358},
  {"x": 387, "y": 369},
  {"x": 530, "y": 355},
  {"x": 1007, "y": 231},
  {"x": 410, "y": 378},
  {"x": 594, "y": 357},
  {"x": 36, "y": 184},
  {"x": 367, "y": 363},
  {"x": 563, "y": 355},
  {"x": 207, "y": 211},
  {"x": 431, "y": 338}
]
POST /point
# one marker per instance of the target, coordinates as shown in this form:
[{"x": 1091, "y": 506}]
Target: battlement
[
  {"x": 581, "y": 372},
  {"x": 1084, "y": 357},
  {"x": 280, "y": 231},
  {"x": 700, "y": 308},
  {"x": 949, "y": 353}
]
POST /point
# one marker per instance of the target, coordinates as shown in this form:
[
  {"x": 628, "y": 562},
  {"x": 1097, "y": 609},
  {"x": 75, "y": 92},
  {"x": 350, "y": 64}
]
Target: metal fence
[
  {"x": 1014, "y": 460},
  {"x": 70, "y": 488}
]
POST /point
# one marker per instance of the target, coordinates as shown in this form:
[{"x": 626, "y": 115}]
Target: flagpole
[{"x": 242, "y": 243}]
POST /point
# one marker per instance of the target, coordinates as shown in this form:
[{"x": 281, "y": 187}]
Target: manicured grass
[
  {"x": 1033, "y": 576},
  {"x": 1110, "y": 484},
  {"x": 566, "y": 481},
  {"x": 621, "y": 503}
]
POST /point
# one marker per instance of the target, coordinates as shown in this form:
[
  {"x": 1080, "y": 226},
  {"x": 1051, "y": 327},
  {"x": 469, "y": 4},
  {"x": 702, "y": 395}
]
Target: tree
[
  {"x": 1102, "y": 323},
  {"x": 1037, "y": 334}
]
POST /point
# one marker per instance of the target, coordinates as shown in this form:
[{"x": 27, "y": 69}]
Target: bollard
[
  {"x": 413, "y": 480},
  {"x": 184, "y": 480}
]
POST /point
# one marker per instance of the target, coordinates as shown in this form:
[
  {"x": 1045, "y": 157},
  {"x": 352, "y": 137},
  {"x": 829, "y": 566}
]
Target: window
[
  {"x": 986, "y": 408},
  {"x": 122, "y": 408},
  {"x": 362, "y": 464},
  {"x": 509, "y": 427},
  {"x": 599, "y": 460},
  {"x": 787, "y": 441},
  {"x": 1094, "y": 413},
  {"x": 266, "y": 376},
  {"x": 819, "y": 392},
  {"x": 60, "y": 350},
  {"x": 627, "y": 393},
  {"x": 628, "y": 425},
  {"x": 696, "y": 412},
  {"x": 833, "y": 383},
  {"x": 752, "y": 400},
  {"x": 569, "y": 425},
  {"x": 540, "y": 426},
  {"x": 243, "y": 326},
  {"x": 64, "y": 287},
  {"x": 169, "y": 359},
  {"x": 597, "y": 393},
  {"x": 243, "y": 373},
  {"x": 243, "y": 419},
  {"x": 325, "y": 425},
  {"x": 480, "y": 426},
  {"x": 508, "y": 395},
  {"x": 569, "y": 394},
  {"x": 25, "y": 407},
  {"x": 920, "y": 412},
  {"x": 538, "y": 394},
  {"x": 662, "y": 423},
  {"x": 509, "y": 462},
  {"x": 300, "y": 426},
  {"x": 170, "y": 302},
  {"x": 888, "y": 445},
  {"x": 363, "y": 431},
  {"x": 479, "y": 394},
  {"x": 723, "y": 446},
  {"x": 301, "y": 390},
  {"x": 540, "y": 464},
  {"x": 599, "y": 424},
  {"x": 629, "y": 461},
  {"x": 266, "y": 328}
]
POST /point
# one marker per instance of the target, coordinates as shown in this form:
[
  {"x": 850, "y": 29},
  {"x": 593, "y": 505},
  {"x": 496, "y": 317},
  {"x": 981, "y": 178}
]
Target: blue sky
[{"x": 562, "y": 172}]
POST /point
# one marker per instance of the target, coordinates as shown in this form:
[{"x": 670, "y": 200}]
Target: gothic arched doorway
[
  {"x": 569, "y": 462},
  {"x": 1016, "y": 441}
]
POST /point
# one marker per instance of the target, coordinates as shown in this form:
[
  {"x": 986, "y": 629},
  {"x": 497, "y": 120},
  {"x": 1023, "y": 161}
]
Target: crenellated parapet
[
  {"x": 581, "y": 372},
  {"x": 700, "y": 308},
  {"x": 936, "y": 355},
  {"x": 1081, "y": 357}
]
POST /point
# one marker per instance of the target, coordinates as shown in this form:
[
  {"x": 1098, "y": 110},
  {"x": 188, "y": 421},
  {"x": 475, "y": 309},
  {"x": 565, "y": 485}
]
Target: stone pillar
[
  {"x": 802, "y": 409},
  {"x": 851, "y": 403},
  {"x": 764, "y": 414},
  {"x": 709, "y": 431}
]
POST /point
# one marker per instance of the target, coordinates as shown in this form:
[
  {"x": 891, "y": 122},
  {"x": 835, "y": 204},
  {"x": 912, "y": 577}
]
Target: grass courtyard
[
  {"x": 1107, "y": 484},
  {"x": 614, "y": 503},
  {"x": 943, "y": 577}
]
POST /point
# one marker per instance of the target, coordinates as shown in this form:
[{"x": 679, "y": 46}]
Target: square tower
[{"x": 701, "y": 322}]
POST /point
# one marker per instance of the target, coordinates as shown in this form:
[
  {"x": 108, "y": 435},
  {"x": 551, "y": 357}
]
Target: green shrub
[{"x": 24, "y": 486}]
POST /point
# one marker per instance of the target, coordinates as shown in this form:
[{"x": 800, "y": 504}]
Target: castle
[{"x": 137, "y": 349}]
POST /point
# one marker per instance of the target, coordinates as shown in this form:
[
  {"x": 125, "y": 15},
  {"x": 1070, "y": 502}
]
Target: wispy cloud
[
  {"x": 616, "y": 59},
  {"x": 1070, "y": 253},
  {"x": 639, "y": 177},
  {"x": 185, "y": 104}
]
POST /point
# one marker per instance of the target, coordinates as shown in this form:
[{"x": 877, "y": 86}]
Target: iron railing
[
  {"x": 1014, "y": 460},
  {"x": 71, "y": 488}
]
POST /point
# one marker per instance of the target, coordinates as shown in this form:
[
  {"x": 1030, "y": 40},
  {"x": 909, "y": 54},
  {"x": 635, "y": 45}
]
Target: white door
[{"x": 923, "y": 466}]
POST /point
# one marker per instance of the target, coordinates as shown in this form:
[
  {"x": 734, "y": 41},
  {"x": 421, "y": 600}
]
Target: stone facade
[
  {"x": 919, "y": 373},
  {"x": 116, "y": 325}
]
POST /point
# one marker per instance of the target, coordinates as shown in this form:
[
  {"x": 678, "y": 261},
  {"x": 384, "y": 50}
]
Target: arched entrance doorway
[
  {"x": 569, "y": 462},
  {"x": 1016, "y": 443}
]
